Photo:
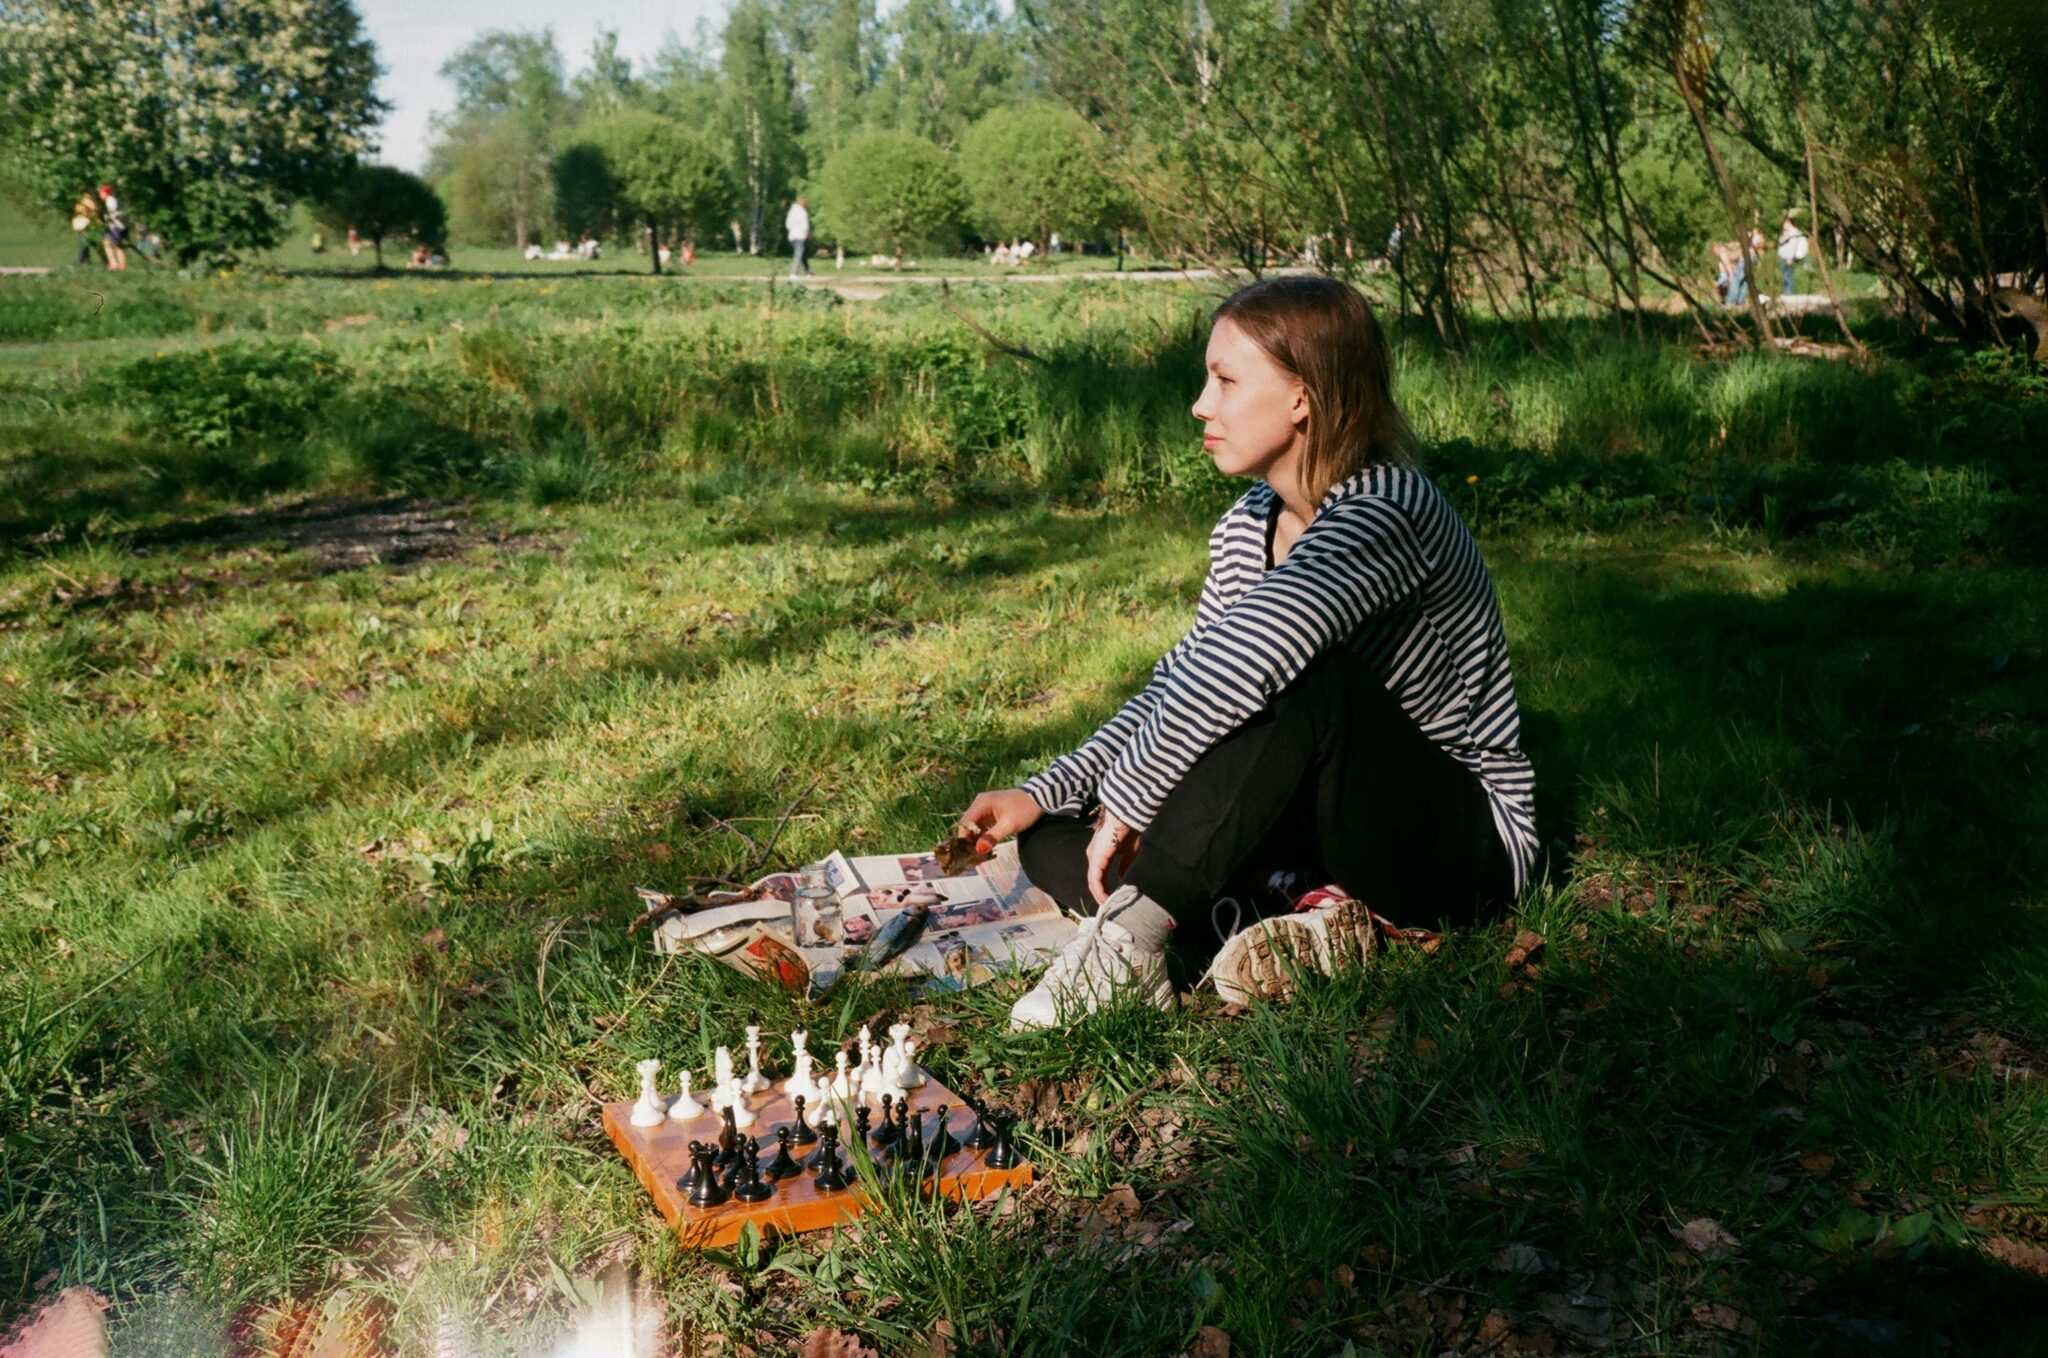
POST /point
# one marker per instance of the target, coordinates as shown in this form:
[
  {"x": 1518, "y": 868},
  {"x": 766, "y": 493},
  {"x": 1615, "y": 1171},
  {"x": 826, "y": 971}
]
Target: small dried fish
[
  {"x": 894, "y": 938},
  {"x": 962, "y": 854}
]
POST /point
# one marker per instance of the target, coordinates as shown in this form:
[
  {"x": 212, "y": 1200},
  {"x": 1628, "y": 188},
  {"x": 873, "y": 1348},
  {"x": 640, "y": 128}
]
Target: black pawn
[
  {"x": 943, "y": 1143},
  {"x": 862, "y": 1120},
  {"x": 1003, "y": 1155},
  {"x": 707, "y": 1191},
  {"x": 984, "y": 1134},
  {"x": 803, "y": 1134},
  {"x": 831, "y": 1174},
  {"x": 751, "y": 1188},
  {"x": 784, "y": 1165},
  {"x": 688, "y": 1183},
  {"x": 728, "y": 1141},
  {"x": 886, "y": 1133}
]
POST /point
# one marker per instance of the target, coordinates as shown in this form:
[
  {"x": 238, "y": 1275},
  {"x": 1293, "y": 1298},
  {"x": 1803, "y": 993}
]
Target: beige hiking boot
[{"x": 1264, "y": 960}]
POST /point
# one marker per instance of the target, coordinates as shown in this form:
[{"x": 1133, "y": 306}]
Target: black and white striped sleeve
[{"x": 1360, "y": 557}]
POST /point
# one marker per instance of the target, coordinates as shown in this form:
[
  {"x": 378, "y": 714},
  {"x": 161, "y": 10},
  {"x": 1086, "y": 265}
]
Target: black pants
[{"x": 1333, "y": 781}]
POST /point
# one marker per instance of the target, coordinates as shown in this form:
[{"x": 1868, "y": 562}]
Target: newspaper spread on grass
[{"x": 987, "y": 920}]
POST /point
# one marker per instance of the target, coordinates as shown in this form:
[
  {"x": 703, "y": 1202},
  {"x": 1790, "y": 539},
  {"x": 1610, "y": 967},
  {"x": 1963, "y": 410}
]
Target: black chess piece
[
  {"x": 1003, "y": 1154},
  {"x": 688, "y": 1182},
  {"x": 911, "y": 1150},
  {"x": 802, "y": 1133},
  {"x": 862, "y": 1121},
  {"x": 784, "y": 1165},
  {"x": 751, "y": 1187},
  {"x": 984, "y": 1134},
  {"x": 886, "y": 1133},
  {"x": 728, "y": 1141},
  {"x": 831, "y": 1175},
  {"x": 943, "y": 1142},
  {"x": 708, "y": 1190}
]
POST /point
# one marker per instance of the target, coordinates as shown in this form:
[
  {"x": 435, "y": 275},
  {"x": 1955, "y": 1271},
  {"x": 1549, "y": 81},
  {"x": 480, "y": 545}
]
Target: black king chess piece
[
  {"x": 1003, "y": 1154},
  {"x": 707, "y": 1191},
  {"x": 912, "y": 1155},
  {"x": 784, "y": 1165},
  {"x": 751, "y": 1187},
  {"x": 831, "y": 1175},
  {"x": 801, "y": 1132}
]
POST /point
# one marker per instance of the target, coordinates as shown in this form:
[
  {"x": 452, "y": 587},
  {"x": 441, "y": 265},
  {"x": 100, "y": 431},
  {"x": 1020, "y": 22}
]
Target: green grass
[{"x": 314, "y": 871}]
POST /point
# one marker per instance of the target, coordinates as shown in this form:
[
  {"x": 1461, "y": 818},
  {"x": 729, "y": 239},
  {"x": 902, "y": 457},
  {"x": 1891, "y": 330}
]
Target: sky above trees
[{"x": 413, "y": 40}]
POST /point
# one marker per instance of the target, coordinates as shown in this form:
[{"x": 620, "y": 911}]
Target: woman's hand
[
  {"x": 995, "y": 816},
  {"x": 1114, "y": 846}
]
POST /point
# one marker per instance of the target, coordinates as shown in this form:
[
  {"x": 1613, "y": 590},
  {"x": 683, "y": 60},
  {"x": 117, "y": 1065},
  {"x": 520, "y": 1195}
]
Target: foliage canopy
[
  {"x": 208, "y": 116},
  {"x": 890, "y": 191}
]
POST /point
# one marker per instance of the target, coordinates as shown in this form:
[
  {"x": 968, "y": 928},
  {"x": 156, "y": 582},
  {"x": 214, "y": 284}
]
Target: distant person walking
[
  {"x": 798, "y": 227},
  {"x": 1792, "y": 248},
  {"x": 117, "y": 229},
  {"x": 85, "y": 215},
  {"x": 1727, "y": 263}
]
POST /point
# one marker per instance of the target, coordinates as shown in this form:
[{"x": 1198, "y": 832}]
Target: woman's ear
[{"x": 1298, "y": 412}]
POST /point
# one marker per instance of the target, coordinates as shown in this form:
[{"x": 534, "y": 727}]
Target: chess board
[{"x": 661, "y": 1156}]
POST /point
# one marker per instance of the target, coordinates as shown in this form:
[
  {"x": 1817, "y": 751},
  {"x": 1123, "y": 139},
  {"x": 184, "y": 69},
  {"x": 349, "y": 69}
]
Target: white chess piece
[
  {"x": 841, "y": 1091},
  {"x": 800, "y": 1083},
  {"x": 649, "y": 1111},
  {"x": 755, "y": 1081},
  {"x": 684, "y": 1107},
  {"x": 722, "y": 1090},
  {"x": 911, "y": 1076},
  {"x": 743, "y": 1117}
]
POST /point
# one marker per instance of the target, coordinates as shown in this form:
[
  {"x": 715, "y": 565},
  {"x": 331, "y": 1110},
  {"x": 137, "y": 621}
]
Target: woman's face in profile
[{"x": 1252, "y": 410}]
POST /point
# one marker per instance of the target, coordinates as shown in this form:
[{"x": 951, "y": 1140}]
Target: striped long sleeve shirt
[{"x": 1388, "y": 569}]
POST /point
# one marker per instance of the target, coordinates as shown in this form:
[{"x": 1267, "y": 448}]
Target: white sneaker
[
  {"x": 1264, "y": 961},
  {"x": 1101, "y": 964}
]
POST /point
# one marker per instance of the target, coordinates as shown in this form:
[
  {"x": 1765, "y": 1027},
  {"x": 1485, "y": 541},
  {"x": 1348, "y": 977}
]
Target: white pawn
[
  {"x": 649, "y": 1111},
  {"x": 842, "y": 1081},
  {"x": 755, "y": 1081},
  {"x": 911, "y": 1075},
  {"x": 684, "y": 1108},
  {"x": 743, "y": 1117}
]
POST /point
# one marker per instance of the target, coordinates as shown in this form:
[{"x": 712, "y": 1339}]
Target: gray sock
[{"x": 1138, "y": 915}]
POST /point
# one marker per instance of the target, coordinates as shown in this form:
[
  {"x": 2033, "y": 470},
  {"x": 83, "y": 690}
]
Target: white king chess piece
[
  {"x": 799, "y": 1083},
  {"x": 722, "y": 1090},
  {"x": 755, "y": 1081},
  {"x": 684, "y": 1108},
  {"x": 649, "y": 1111}
]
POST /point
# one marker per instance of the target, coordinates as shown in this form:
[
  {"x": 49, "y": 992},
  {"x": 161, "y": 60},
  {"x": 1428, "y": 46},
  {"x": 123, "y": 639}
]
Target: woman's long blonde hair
[{"x": 1323, "y": 333}]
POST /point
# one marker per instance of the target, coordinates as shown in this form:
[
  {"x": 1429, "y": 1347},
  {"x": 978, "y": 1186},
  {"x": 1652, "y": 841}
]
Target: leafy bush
[{"x": 211, "y": 398}]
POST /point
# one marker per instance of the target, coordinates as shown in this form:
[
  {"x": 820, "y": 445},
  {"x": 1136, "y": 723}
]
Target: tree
[
  {"x": 892, "y": 190},
  {"x": 639, "y": 169},
  {"x": 377, "y": 201},
  {"x": 493, "y": 158},
  {"x": 209, "y": 116},
  {"x": 760, "y": 113},
  {"x": 950, "y": 61},
  {"x": 1037, "y": 169}
]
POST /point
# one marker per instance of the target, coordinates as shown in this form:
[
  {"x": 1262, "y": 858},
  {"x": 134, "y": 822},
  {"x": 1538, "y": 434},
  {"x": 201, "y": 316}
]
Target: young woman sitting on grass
[{"x": 1342, "y": 706}]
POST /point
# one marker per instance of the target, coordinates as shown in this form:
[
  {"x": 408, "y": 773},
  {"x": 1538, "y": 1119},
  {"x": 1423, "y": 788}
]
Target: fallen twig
[{"x": 1018, "y": 351}]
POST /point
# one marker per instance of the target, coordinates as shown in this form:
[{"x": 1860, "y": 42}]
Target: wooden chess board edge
[{"x": 969, "y": 1181}]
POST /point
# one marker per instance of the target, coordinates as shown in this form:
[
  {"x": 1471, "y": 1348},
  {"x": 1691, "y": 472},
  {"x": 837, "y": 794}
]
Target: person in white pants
[{"x": 798, "y": 226}]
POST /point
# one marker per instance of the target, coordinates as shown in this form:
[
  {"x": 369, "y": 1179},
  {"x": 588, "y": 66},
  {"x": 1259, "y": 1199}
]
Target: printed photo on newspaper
[{"x": 984, "y": 921}]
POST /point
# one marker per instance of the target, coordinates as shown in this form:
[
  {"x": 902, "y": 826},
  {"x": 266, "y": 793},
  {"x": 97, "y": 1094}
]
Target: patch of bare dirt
[{"x": 349, "y": 534}]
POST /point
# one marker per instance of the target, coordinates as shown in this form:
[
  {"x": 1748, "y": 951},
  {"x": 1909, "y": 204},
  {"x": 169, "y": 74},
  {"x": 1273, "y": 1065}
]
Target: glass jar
[{"x": 814, "y": 911}]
